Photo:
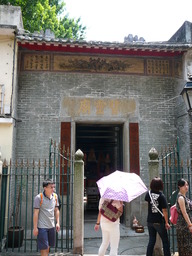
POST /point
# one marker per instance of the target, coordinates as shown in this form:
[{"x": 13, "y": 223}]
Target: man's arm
[
  {"x": 35, "y": 221},
  {"x": 57, "y": 219}
]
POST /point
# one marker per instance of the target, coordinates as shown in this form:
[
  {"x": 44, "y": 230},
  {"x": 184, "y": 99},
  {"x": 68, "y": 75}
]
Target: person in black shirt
[{"x": 157, "y": 219}]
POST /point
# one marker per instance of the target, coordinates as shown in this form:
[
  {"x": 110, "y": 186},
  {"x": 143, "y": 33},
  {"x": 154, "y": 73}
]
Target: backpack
[{"x": 41, "y": 195}]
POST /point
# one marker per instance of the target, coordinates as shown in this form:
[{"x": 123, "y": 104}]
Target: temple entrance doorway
[{"x": 102, "y": 145}]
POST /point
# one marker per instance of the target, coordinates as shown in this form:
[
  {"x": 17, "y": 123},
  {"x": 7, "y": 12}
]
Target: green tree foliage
[{"x": 48, "y": 14}]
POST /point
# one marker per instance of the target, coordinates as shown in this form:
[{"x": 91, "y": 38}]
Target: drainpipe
[{"x": 13, "y": 74}]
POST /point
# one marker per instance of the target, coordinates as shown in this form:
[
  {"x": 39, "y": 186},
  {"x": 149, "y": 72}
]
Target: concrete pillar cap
[
  {"x": 153, "y": 154},
  {"x": 79, "y": 155}
]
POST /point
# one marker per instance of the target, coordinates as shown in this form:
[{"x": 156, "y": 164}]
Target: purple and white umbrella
[{"x": 121, "y": 186}]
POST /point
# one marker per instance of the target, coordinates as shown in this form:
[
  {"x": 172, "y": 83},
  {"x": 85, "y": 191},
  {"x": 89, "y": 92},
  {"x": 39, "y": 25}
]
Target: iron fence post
[
  {"x": 50, "y": 158},
  {"x": 178, "y": 157},
  {"x": 3, "y": 200}
]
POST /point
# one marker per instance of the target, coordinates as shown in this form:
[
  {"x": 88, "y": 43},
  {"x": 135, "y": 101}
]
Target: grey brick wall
[
  {"x": 39, "y": 108},
  {"x": 158, "y": 114}
]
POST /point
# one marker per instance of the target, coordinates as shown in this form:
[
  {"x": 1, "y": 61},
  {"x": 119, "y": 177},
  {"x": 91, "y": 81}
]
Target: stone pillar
[
  {"x": 78, "y": 204},
  {"x": 154, "y": 172},
  {"x": 153, "y": 164}
]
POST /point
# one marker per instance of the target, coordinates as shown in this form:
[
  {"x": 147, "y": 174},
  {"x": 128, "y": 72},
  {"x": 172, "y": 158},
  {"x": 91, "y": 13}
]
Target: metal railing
[
  {"x": 173, "y": 169},
  {"x": 20, "y": 183}
]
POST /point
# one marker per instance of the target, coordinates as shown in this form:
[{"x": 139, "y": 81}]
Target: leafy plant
[{"x": 48, "y": 14}]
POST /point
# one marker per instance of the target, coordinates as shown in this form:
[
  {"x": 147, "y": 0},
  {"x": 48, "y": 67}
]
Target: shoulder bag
[{"x": 109, "y": 211}]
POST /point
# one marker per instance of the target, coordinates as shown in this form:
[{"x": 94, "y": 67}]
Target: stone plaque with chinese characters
[
  {"x": 36, "y": 62},
  {"x": 158, "y": 67},
  {"x": 105, "y": 107}
]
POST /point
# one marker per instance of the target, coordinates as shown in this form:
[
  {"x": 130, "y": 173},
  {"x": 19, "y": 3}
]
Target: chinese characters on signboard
[
  {"x": 158, "y": 67},
  {"x": 99, "y": 105},
  {"x": 76, "y": 106},
  {"x": 37, "y": 62}
]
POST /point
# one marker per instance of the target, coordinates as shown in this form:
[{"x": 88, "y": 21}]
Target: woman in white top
[{"x": 110, "y": 230}]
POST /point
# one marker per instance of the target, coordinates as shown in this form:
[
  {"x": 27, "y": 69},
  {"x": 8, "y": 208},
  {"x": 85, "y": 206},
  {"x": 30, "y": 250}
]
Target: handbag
[
  {"x": 109, "y": 211},
  {"x": 174, "y": 214}
]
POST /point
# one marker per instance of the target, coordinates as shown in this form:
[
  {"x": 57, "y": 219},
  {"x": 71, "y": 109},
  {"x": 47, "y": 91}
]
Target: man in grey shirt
[{"x": 46, "y": 208}]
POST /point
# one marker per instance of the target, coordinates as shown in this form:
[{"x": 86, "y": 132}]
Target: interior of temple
[{"x": 102, "y": 148}]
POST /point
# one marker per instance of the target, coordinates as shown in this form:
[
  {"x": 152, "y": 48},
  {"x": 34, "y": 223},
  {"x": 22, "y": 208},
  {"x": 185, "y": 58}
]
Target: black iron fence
[
  {"x": 173, "y": 169},
  {"x": 20, "y": 183}
]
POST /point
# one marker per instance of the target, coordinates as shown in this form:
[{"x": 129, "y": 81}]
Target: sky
[{"x": 112, "y": 20}]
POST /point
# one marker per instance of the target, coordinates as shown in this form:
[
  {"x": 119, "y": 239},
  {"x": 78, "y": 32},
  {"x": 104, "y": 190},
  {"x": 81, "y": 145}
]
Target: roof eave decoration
[{"x": 39, "y": 43}]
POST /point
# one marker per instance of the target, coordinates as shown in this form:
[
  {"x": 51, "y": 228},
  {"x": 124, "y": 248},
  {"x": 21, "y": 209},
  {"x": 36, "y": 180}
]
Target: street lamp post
[{"x": 187, "y": 96}]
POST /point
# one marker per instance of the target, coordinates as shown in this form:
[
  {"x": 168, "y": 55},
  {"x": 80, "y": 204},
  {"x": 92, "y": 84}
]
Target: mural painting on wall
[
  {"x": 122, "y": 65},
  {"x": 83, "y": 63},
  {"x": 98, "y": 64}
]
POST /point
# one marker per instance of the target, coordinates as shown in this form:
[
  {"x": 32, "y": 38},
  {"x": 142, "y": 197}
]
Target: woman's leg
[
  {"x": 152, "y": 239},
  {"x": 105, "y": 240},
  {"x": 114, "y": 239},
  {"x": 164, "y": 237}
]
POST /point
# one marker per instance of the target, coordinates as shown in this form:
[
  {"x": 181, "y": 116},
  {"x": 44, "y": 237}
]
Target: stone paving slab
[{"x": 131, "y": 243}]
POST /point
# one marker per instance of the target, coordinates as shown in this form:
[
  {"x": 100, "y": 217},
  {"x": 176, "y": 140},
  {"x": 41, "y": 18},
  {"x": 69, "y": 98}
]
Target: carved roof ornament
[{"x": 130, "y": 39}]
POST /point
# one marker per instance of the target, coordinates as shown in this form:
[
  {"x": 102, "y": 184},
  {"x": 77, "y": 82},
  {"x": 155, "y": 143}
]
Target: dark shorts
[{"x": 46, "y": 238}]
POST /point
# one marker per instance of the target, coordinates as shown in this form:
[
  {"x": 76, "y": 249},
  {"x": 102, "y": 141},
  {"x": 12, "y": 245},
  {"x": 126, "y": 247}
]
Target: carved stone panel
[{"x": 98, "y": 64}]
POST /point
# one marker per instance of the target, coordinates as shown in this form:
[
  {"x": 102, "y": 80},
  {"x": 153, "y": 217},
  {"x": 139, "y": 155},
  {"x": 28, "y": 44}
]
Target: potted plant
[{"x": 15, "y": 232}]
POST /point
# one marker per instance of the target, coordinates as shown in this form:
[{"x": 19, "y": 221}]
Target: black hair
[
  {"x": 47, "y": 182},
  {"x": 181, "y": 183},
  {"x": 156, "y": 184}
]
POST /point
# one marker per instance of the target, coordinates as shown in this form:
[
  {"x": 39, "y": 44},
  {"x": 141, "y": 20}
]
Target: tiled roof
[{"x": 41, "y": 38}]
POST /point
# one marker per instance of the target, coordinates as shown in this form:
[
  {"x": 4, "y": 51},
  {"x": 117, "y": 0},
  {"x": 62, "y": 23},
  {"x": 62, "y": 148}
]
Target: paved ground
[{"x": 131, "y": 243}]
